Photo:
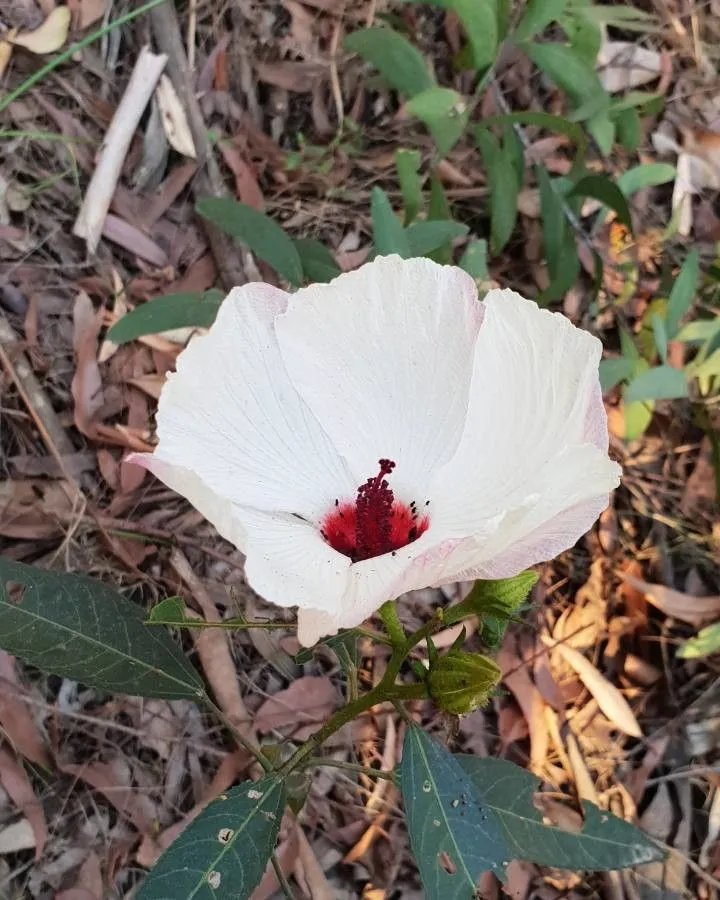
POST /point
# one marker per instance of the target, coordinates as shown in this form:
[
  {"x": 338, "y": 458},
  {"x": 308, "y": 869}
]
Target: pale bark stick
[{"x": 99, "y": 194}]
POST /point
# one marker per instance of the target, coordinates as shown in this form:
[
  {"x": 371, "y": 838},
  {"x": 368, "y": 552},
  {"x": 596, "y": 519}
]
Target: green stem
[
  {"x": 67, "y": 54},
  {"x": 254, "y": 751},
  {"x": 282, "y": 880},
  {"x": 350, "y": 767}
]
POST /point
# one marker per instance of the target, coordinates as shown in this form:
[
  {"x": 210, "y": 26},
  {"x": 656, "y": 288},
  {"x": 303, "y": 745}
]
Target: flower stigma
[{"x": 374, "y": 523}]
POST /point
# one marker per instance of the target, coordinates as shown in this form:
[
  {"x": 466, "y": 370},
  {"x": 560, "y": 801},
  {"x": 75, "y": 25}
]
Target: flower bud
[{"x": 460, "y": 682}]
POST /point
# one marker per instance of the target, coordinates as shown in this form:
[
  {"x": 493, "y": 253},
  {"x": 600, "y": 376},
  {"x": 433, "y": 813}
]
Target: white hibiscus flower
[{"x": 385, "y": 432}]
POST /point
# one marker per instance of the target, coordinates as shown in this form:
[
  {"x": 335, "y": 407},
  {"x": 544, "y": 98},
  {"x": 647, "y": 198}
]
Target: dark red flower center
[{"x": 375, "y": 522}]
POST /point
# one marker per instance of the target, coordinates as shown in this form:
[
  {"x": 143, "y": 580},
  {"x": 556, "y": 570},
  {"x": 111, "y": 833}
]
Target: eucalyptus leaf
[
  {"x": 568, "y": 70},
  {"x": 605, "y": 843},
  {"x": 167, "y": 313},
  {"x": 389, "y": 236},
  {"x": 645, "y": 176},
  {"x": 504, "y": 187},
  {"x": 79, "y": 628},
  {"x": 224, "y": 851},
  {"x": 449, "y": 828},
  {"x": 257, "y": 231},
  {"x": 400, "y": 64}
]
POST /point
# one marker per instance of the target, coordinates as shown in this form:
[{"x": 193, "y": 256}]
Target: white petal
[
  {"x": 219, "y": 511},
  {"x": 383, "y": 357},
  {"x": 536, "y": 433},
  {"x": 231, "y": 415}
]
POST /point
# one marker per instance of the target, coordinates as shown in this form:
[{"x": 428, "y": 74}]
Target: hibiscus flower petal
[
  {"x": 231, "y": 415},
  {"x": 535, "y": 440},
  {"x": 383, "y": 356}
]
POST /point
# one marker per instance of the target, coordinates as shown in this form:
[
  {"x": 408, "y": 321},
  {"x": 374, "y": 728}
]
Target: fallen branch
[
  {"x": 144, "y": 78},
  {"x": 209, "y": 181}
]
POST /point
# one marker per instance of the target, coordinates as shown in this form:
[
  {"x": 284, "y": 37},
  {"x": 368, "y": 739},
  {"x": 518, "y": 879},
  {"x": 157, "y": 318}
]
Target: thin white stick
[{"x": 98, "y": 197}]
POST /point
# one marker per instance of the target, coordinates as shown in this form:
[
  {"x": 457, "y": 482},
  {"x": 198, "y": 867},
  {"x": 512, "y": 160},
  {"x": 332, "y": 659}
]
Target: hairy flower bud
[{"x": 460, "y": 682}]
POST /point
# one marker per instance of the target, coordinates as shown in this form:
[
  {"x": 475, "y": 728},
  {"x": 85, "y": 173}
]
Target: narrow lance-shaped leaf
[
  {"x": 602, "y": 188},
  {"x": 400, "y": 64},
  {"x": 660, "y": 383},
  {"x": 424, "y": 237},
  {"x": 568, "y": 70},
  {"x": 388, "y": 233},
  {"x": 82, "y": 629},
  {"x": 504, "y": 187},
  {"x": 538, "y": 14},
  {"x": 446, "y": 114},
  {"x": 166, "y": 313},
  {"x": 605, "y": 843},
  {"x": 683, "y": 292},
  {"x": 450, "y": 829},
  {"x": 317, "y": 261},
  {"x": 224, "y": 851},
  {"x": 257, "y": 231},
  {"x": 407, "y": 164}
]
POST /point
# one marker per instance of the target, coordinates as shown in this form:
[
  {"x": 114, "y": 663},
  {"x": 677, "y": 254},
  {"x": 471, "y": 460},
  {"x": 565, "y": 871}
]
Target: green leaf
[
  {"x": 224, "y": 851},
  {"x": 613, "y": 371},
  {"x": 704, "y": 643},
  {"x": 439, "y": 210},
  {"x": 629, "y": 129},
  {"x": 585, "y": 37},
  {"x": 474, "y": 260},
  {"x": 480, "y": 20},
  {"x": 446, "y": 114},
  {"x": 627, "y": 17},
  {"x": 708, "y": 368},
  {"x": 424, "y": 237},
  {"x": 699, "y": 331},
  {"x": 166, "y": 313},
  {"x": 446, "y": 822},
  {"x": 602, "y": 128},
  {"x": 504, "y": 187},
  {"x": 571, "y": 130},
  {"x": 537, "y": 16},
  {"x": 317, "y": 261},
  {"x": 605, "y": 843},
  {"x": 683, "y": 292},
  {"x": 568, "y": 70},
  {"x": 259, "y": 233},
  {"x": 637, "y": 418},
  {"x": 79, "y": 628},
  {"x": 497, "y": 597},
  {"x": 553, "y": 220},
  {"x": 660, "y": 383},
  {"x": 660, "y": 336},
  {"x": 389, "y": 236},
  {"x": 400, "y": 64},
  {"x": 170, "y": 611},
  {"x": 345, "y": 646},
  {"x": 407, "y": 164},
  {"x": 645, "y": 176},
  {"x": 602, "y": 188}
]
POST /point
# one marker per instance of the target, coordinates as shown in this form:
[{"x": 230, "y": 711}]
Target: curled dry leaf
[
  {"x": 6, "y": 49},
  {"x": 529, "y": 698},
  {"x": 623, "y": 65},
  {"x": 304, "y": 705},
  {"x": 174, "y": 119},
  {"x": 608, "y": 697},
  {"x": 50, "y": 36},
  {"x": 695, "y": 611},
  {"x": 89, "y": 883}
]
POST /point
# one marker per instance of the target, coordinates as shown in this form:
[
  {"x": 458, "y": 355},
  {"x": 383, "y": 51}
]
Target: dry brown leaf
[
  {"x": 304, "y": 705},
  {"x": 15, "y": 717},
  {"x": 314, "y": 876},
  {"x": 50, "y": 36},
  {"x": 89, "y": 883},
  {"x": 174, "y": 119},
  {"x": 113, "y": 781},
  {"x": 584, "y": 784},
  {"x": 86, "y": 12},
  {"x": 608, "y": 697},
  {"x": 623, "y": 65},
  {"x": 246, "y": 183},
  {"x": 86, "y": 384},
  {"x": 16, "y": 783},
  {"x": 529, "y": 698},
  {"x": 695, "y": 611}
]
